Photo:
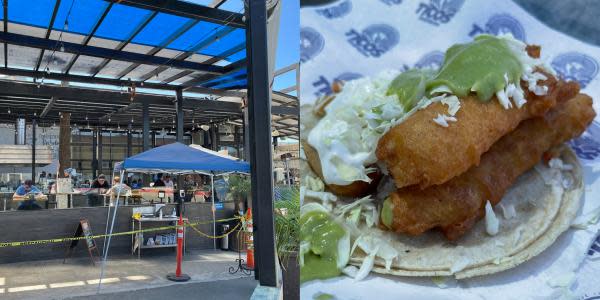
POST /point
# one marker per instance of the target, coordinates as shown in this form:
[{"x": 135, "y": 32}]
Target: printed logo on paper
[
  {"x": 594, "y": 250},
  {"x": 432, "y": 60},
  {"x": 375, "y": 40},
  {"x": 500, "y": 24},
  {"x": 323, "y": 85},
  {"x": 336, "y": 11},
  {"x": 595, "y": 296},
  {"x": 438, "y": 12},
  {"x": 575, "y": 66},
  {"x": 391, "y": 2},
  {"x": 587, "y": 145},
  {"x": 311, "y": 43}
]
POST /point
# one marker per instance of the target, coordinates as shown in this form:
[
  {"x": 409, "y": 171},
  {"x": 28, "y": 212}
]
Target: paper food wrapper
[{"x": 349, "y": 39}]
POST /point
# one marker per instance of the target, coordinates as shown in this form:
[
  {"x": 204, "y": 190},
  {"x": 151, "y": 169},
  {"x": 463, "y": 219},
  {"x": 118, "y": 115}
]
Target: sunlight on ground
[{"x": 68, "y": 284}]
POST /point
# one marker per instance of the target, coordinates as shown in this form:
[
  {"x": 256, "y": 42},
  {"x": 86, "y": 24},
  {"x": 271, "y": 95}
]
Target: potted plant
[
  {"x": 287, "y": 239},
  {"x": 239, "y": 189}
]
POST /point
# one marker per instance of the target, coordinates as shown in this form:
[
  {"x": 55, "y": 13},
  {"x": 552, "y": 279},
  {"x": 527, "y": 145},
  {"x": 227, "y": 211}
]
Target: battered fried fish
[
  {"x": 419, "y": 151},
  {"x": 457, "y": 204},
  {"x": 355, "y": 189}
]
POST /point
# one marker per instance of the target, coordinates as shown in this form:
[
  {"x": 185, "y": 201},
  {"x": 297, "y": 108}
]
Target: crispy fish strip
[
  {"x": 457, "y": 204},
  {"x": 419, "y": 151}
]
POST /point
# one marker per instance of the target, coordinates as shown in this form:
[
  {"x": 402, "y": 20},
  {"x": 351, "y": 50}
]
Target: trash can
[{"x": 225, "y": 239}]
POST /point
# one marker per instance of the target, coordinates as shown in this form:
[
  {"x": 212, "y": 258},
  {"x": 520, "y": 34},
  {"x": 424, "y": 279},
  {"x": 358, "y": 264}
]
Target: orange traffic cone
[
  {"x": 250, "y": 258},
  {"x": 178, "y": 276},
  {"x": 249, "y": 240}
]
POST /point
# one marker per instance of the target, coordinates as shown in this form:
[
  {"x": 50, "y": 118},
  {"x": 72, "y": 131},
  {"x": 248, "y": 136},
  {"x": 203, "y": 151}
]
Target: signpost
[{"x": 83, "y": 229}]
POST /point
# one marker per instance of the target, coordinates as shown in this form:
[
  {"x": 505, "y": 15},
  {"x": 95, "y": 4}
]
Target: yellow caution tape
[
  {"x": 213, "y": 236},
  {"x": 60, "y": 240}
]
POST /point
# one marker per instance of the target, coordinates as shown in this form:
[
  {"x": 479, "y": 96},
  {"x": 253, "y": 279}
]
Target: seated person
[
  {"x": 120, "y": 189},
  {"x": 168, "y": 182},
  {"x": 102, "y": 185},
  {"x": 24, "y": 191},
  {"x": 136, "y": 184},
  {"x": 159, "y": 181}
]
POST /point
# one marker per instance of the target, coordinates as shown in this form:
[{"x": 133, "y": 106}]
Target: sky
[
  {"x": 288, "y": 42},
  {"x": 288, "y": 48}
]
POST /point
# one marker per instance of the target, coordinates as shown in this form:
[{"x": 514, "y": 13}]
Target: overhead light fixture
[{"x": 204, "y": 127}]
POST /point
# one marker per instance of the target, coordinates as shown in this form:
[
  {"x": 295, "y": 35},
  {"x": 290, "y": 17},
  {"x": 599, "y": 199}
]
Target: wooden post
[{"x": 64, "y": 144}]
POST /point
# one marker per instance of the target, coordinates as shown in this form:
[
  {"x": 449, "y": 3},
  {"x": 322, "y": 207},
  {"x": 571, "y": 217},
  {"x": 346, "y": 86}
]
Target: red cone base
[{"x": 180, "y": 278}]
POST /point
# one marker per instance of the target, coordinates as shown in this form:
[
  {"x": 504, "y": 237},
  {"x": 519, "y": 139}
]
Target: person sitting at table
[
  {"x": 100, "y": 183},
  {"x": 189, "y": 185},
  {"x": 24, "y": 190},
  {"x": 159, "y": 181},
  {"x": 168, "y": 182},
  {"x": 121, "y": 189}
]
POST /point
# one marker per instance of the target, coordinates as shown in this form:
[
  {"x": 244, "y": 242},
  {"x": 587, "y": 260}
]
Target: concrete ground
[
  {"x": 126, "y": 277},
  {"x": 240, "y": 288}
]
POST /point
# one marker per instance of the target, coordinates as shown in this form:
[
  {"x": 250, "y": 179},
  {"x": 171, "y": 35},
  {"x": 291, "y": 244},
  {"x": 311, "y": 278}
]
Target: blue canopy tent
[{"x": 178, "y": 158}]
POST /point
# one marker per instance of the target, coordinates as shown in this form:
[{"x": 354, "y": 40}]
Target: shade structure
[{"x": 178, "y": 158}]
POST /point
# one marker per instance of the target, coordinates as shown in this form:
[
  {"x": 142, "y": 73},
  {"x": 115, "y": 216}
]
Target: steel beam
[
  {"x": 216, "y": 3},
  {"x": 114, "y": 82},
  {"x": 122, "y": 45},
  {"x": 183, "y": 29},
  {"x": 41, "y": 43},
  {"x": 48, "y": 31},
  {"x": 198, "y": 47},
  {"x": 87, "y": 95},
  {"x": 188, "y": 10},
  {"x": 261, "y": 159},
  {"x": 48, "y": 107},
  {"x": 89, "y": 36},
  {"x": 179, "y": 109}
]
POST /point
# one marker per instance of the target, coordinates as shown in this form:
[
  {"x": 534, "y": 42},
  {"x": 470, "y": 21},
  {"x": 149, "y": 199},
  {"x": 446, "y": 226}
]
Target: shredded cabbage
[{"x": 492, "y": 224}]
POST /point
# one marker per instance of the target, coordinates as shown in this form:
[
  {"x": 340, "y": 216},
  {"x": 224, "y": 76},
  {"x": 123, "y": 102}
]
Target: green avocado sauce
[
  {"x": 387, "y": 213},
  {"x": 479, "y": 66},
  {"x": 409, "y": 86},
  {"x": 323, "y": 234}
]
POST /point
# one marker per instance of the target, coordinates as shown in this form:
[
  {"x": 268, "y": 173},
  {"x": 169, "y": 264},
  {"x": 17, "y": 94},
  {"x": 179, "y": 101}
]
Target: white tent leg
[
  {"x": 212, "y": 196},
  {"x": 112, "y": 225}
]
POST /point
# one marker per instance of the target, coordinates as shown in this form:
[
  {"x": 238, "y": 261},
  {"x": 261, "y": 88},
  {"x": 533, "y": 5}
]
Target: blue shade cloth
[
  {"x": 177, "y": 156},
  {"x": 21, "y": 11},
  {"x": 237, "y": 56},
  {"x": 84, "y": 14},
  {"x": 237, "y": 84},
  {"x": 240, "y": 74},
  {"x": 194, "y": 36},
  {"x": 225, "y": 43},
  {"x": 121, "y": 22},
  {"x": 160, "y": 29}
]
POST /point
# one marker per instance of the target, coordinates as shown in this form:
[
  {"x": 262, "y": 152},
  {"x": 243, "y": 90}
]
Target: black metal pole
[
  {"x": 179, "y": 138},
  {"x": 259, "y": 112},
  {"x": 99, "y": 136},
  {"x": 33, "y": 141},
  {"x": 129, "y": 139},
  {"x": 145, "y": 126},
  {"x": 179, "y": 108},
  {"x": 95, "y": 152}
]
